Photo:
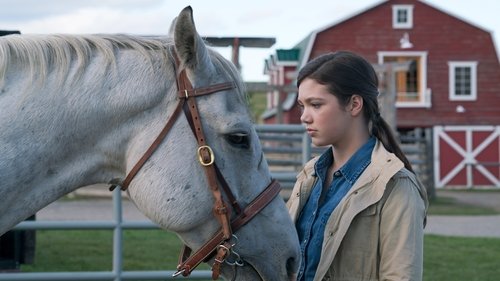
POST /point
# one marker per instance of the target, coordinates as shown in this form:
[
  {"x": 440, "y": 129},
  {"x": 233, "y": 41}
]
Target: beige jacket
[{"x": 376, "y": 231}]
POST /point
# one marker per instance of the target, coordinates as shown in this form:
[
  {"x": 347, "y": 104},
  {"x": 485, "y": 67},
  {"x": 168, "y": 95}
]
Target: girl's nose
[{"x": 304, "y": 117}]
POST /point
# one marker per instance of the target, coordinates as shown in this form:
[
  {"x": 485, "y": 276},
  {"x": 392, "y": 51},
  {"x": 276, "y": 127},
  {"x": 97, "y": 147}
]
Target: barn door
[{"x": 467, "y": 156}]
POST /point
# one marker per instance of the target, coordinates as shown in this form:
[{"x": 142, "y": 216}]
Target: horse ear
[
  {"x": 171, "y": 30},
  {"x": 190, "y": 47}
]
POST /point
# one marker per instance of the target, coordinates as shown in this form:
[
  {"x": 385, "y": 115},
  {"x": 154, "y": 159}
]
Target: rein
[{"x": 220, "y": 243}]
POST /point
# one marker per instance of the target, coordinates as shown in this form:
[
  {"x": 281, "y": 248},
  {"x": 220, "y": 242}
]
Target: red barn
[{"x": 452, "y": 84}]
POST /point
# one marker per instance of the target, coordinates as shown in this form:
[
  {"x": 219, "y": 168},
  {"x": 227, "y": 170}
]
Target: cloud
[
  {"x": 97, "y": 19},
  {"x": 22, "y": 10}
]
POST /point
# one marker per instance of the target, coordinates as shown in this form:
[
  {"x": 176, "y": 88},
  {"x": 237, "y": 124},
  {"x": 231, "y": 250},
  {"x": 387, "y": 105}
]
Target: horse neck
[{"x": 57, "y": 138}]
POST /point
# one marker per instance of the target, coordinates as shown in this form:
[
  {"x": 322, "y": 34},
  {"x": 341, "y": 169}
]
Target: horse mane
[{"x": 40, "y": 52}]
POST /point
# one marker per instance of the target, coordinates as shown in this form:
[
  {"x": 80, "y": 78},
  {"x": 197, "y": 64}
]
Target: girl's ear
[{"x": 356, "y": 105}]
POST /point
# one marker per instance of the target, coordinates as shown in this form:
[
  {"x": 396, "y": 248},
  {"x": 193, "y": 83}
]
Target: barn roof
[
  {"x": 307, "y": 43},
  {"x": 288, "y": 54}
]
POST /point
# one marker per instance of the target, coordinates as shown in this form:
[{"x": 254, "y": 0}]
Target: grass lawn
[
  {"x": 142, "y": 250},
  {"x": 458, "y": 258},
  {"x": 446, "y": 258}
]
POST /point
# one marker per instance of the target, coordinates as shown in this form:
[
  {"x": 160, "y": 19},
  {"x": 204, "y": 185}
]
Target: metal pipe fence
[{"x": 117, "y": 225}]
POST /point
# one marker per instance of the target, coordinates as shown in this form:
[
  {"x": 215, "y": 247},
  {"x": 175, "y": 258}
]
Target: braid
[{"x": 382, "y": 131}]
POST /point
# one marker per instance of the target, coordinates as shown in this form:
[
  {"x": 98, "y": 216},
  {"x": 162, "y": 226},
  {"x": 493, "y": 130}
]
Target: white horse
[{"x": 81, "y": 110}]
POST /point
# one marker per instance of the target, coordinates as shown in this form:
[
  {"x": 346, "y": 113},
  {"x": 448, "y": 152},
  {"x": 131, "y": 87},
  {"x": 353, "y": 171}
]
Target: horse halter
[{"x": 220, "y": 243}]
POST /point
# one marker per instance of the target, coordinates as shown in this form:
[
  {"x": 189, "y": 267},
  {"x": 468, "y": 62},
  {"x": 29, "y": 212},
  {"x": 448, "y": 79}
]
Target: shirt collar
[
  {"x": 354, "y": 166},
  {"x": 324, "y": 161},
  {"x": 358, "y": 161}
]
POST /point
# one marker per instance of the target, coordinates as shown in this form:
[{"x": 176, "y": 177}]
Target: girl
[{"x": 358, "y": 208}]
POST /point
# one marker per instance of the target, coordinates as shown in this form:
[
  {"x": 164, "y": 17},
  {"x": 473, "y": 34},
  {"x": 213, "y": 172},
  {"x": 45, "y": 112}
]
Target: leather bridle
[{"x": 220, "y": 243}]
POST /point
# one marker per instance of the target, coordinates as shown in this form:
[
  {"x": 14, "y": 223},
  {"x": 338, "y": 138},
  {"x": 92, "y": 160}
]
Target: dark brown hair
[{"x": 345, "y": 74}]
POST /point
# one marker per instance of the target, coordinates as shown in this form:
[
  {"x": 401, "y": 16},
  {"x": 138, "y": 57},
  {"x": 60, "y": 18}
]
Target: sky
[{"x": 289, "y": 21}]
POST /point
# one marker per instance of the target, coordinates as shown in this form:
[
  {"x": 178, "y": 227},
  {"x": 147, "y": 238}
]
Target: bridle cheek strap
[{"x": 206, "y": 156}]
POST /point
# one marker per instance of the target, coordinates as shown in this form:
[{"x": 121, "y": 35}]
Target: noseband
[{"x": 220, "y": 243}]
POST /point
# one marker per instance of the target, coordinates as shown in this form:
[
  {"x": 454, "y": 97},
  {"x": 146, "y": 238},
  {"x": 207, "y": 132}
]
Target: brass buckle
[{"x": 210, "y": 151}]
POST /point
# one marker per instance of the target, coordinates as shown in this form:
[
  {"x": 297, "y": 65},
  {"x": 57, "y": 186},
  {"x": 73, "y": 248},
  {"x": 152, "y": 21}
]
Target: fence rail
[
  {"x": 286, "y": 147},
  {"x": 117, "y": 274}
]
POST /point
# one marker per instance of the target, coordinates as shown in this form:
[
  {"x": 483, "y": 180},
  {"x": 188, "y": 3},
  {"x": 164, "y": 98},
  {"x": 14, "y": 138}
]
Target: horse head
[{"x": 172, "y": 188}]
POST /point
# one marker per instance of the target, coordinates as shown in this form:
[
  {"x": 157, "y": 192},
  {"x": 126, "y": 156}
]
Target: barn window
[
  {"x": 462, "y": 81},
  {"x": 402, "y": 16},
  {"x": 410, "y": 77}
]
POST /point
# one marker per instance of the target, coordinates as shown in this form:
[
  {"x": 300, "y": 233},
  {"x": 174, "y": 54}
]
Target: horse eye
[{"x": 239, "y": 140}]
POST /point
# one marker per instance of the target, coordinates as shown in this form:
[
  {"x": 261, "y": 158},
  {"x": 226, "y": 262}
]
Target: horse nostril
[{"x": 292, "y": 268}]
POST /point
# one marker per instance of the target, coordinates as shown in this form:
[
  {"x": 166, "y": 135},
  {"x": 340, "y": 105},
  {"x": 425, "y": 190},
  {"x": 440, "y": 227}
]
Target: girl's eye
[{"x": 316, "y": 105}]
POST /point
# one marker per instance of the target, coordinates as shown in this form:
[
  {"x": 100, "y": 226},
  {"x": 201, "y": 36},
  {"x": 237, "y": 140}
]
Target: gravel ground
[
  {"x": 101, "y": 208},
  {"x": 490, "y": 199},
  {"x": 477, "y": 226},
  {"x": 89, "y": 209},
  {"x": 468, "y": 226}
]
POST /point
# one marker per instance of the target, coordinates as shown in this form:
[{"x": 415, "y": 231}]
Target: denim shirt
[{"x": 315, "y": 214}]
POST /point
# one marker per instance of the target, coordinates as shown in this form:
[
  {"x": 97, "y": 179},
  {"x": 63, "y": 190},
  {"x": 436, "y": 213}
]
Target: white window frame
[
  {"x": 424, "y": 97},
  {"x": 409, "y": 13},
  {"x": 452, "y": 66}
]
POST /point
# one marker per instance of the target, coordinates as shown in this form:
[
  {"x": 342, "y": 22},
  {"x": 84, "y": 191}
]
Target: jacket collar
[{"x": 381, "y": 159}]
